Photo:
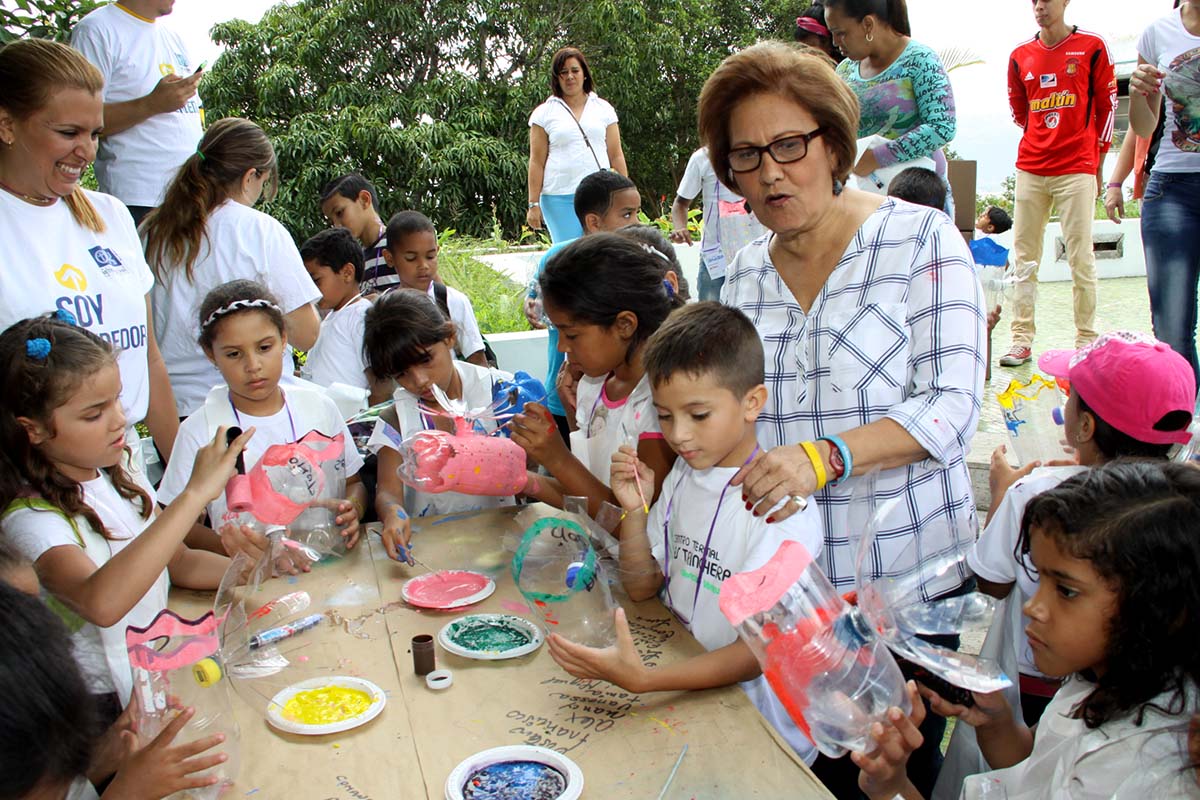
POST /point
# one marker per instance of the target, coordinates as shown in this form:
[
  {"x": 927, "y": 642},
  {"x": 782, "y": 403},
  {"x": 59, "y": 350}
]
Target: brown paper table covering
[{"x": 625, "y": 744}]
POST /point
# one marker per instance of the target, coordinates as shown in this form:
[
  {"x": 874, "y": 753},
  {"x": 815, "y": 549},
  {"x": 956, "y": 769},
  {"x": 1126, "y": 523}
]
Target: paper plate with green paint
[{"x": 490, "y": 637}]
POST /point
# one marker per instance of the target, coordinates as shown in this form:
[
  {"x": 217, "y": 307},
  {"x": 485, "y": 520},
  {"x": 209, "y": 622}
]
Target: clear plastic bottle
[{"x": 817, "y": 652}]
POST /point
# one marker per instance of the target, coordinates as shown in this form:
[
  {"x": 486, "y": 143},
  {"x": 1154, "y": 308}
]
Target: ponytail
[
  {"x": 176, "y": 229},
  {"x": 82, "y": 210},
  {"x": 897, "y": 17}
]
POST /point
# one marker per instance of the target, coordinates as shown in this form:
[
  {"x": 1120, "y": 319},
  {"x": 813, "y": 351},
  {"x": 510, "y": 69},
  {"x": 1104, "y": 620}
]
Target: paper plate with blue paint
[
  {"x": 490, "y": 637},
  {"x": 516, "y": 772}
]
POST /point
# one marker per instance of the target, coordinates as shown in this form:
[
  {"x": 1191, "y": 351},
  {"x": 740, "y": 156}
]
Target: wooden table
[{"x": 625, "y": 744}]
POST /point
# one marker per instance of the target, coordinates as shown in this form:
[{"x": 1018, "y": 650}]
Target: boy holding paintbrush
[{"x": 705, "y": 365}]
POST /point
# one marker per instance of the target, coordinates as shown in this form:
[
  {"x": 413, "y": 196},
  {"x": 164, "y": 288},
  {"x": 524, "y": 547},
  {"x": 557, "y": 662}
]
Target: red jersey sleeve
[
  {"x": 1018, "y": 101},
  {"x": 1104, "y": 96}
]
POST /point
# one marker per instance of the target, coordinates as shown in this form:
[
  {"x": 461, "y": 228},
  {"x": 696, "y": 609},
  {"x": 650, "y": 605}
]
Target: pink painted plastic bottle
[{"x": 818, "y": 653}]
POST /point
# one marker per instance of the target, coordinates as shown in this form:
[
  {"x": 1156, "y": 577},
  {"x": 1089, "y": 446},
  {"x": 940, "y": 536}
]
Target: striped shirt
[
  {"x": 378, "y": 276},
  {"x": 896, "y": 332}
]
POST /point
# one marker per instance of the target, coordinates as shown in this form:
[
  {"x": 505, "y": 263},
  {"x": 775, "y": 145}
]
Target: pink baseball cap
[{"x": 1131, "y": 380}]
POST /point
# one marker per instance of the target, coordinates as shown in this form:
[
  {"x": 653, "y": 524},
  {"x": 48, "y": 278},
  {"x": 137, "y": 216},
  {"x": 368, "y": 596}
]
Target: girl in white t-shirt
[
  {"x": 605, "y": 294},
  {"x": 1117, "y": 602},
  {"x": 242, "y": 331},
  {"x": 409, "y": 340},
  {"x": 72, "y": 506},
  {"x": 206, "y": 233}
]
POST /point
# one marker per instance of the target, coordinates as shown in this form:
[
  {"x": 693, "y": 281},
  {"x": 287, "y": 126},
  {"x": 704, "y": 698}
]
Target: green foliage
[
  {"x": 44, "y": 19},
  {"x": 498, "y": 301},
  {"x": 431, "y": 100}
]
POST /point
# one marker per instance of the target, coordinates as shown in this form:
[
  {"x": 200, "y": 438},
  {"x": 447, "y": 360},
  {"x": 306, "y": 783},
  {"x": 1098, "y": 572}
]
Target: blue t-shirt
[{"x": 553, "y": 356}]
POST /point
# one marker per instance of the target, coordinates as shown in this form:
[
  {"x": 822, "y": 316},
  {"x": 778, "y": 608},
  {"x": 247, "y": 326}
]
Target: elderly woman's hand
[{"x": 785, "y": 473}]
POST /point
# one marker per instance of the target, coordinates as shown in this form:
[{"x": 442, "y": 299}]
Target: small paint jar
[{"x": 423, "y": 655}]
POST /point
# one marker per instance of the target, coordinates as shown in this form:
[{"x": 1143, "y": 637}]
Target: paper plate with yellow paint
[{"x": 325, "y": 705}]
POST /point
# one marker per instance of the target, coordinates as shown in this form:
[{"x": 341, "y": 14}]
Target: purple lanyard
[
  {"x": 704, "y": 554},
  {"x": 286, "y": 408}
]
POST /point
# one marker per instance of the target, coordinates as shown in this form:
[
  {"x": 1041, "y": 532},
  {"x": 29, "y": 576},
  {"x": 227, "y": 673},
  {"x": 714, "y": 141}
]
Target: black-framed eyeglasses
[{"x": 784, "y": 151}]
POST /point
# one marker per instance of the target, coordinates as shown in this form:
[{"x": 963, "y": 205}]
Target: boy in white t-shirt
[
  {"x": 1131, "y": 397},
  {"x": 698, "y": 533},
  {"x": 412, "y": 251},
  {"x": 333, "y": 259}
]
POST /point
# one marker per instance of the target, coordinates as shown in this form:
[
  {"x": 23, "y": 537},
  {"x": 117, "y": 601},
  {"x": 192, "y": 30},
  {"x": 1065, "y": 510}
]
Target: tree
[
  {"x": 430, "y": 100},
  {"x": 44, "y": 19}
]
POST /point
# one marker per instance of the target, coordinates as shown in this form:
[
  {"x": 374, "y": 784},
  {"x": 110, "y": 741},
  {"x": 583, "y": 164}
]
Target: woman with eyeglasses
[
  {"x": 571, "y": 135},
  {"x": 903, "y": 91},
  {"x": 207, "y": 233},
  {"x": 870, "y": 315}
]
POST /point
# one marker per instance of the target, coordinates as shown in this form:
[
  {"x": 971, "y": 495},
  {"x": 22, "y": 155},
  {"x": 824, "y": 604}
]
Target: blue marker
[{"x": 284, "y": 631}]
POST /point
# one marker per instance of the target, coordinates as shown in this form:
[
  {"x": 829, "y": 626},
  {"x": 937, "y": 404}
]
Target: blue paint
[
  {"x": 457, "y": 517},
  {"x": 293, "y": 579},
  {"x": 401, "y": 513},
  {"x": 515, "y": 780}
]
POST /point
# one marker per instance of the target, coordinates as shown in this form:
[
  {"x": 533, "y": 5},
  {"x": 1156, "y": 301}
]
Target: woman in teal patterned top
[{"x": 903, "y": 90}]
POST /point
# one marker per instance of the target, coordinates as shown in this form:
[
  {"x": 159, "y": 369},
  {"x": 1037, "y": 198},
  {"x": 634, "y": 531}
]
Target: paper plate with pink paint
[{"x": 446, "y": 589}]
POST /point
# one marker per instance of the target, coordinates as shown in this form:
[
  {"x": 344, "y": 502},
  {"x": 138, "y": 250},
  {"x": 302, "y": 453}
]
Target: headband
[
  {"x": 239, "y": 305},
  {"x": 655, "y": 251},
  {"x": 812, "y": 26}
]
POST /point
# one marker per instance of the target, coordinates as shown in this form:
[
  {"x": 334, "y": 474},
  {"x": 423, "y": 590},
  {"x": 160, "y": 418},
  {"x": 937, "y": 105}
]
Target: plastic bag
[
  {"x": 1033, "y": 419},
  {"x": 176, "y": 664},
  {"x": 561, "y": 575}
]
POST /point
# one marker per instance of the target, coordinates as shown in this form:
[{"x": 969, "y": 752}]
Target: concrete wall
[{"x": 1118, "y": 250}]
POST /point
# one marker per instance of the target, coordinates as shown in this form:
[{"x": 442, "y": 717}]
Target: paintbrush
[
  {"x": 631, "y": 440},
  {"x": 674, "y": 769}
]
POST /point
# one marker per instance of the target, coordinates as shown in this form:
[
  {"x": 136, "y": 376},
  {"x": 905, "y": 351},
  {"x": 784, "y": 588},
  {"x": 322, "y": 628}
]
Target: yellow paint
[{"x": 326, "y": 705}]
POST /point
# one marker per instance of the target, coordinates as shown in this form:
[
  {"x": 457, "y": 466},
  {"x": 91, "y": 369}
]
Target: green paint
[{"x": 488, "y": 635}]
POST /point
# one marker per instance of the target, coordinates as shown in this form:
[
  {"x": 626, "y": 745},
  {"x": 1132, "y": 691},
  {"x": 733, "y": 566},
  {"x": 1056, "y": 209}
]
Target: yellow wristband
[
  {"x": 358, "y": 507},
  {"x": 818, "y": 464}
]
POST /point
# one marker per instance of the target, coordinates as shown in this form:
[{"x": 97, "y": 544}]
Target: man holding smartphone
[{"x": 152, "y": 114}]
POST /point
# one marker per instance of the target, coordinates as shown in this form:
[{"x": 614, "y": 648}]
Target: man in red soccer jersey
[{"x": 1063, "y": 93}]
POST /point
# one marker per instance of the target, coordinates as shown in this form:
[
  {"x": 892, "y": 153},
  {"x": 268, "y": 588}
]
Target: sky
[{"x": 990, "y": 28}]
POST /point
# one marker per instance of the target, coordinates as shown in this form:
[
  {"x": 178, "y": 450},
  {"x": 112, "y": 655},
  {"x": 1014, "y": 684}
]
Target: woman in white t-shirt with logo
[
  {"x": 66, "y": 248},
  {"x": 571, "y": 135},
  {"x": 1169, "y": 63},
  {"x": 207, "y": 233}
]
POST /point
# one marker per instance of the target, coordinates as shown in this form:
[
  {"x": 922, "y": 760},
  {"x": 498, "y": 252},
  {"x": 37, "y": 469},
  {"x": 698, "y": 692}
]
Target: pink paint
[
  {"x": 515, "y": 607},
  {"x": 464, "y": 462},
  {"x": 444, "y": 589}
]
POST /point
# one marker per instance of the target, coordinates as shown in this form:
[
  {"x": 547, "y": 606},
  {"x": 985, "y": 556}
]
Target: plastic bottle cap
[
  {"x": 439, "y": 679},
  {"x": 206, "y": 671},
  {"x": 1057, "y": 414}
]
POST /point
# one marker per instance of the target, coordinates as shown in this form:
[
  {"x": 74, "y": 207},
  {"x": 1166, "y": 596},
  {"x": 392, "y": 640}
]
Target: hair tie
[
  {"x": 62, "y": 315},
  {"x": 812, "y": 26},
  {"x": 670, "y": 289},
  {"x": 654, "y": 251},
  {"x": 202, "y": 158},
  {"x": 239, "y": 305},
  {"x": 38, "y": 349}
]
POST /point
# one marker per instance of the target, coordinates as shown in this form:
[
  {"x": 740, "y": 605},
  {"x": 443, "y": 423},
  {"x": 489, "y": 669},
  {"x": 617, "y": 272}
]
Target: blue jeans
[
  {"x": 558, "y": 212},
  {"x": 708, "y": 288},
  {"x": 1170, "y": 222}
]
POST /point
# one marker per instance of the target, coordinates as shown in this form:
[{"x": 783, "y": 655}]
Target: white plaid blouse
[{"x": 897, "y": 331}]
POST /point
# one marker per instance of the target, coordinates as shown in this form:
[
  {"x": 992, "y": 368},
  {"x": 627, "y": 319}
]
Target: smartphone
[{"x": 946, "y": 690}]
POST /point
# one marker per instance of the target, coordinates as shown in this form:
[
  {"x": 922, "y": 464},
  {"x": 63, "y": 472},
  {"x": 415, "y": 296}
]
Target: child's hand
[
  {"x": 993, "y": 318},
  {"x": 347, "y": 521},
  {"x": 1002, "y": 475},
  {"x": 988, "y": 709},
  {"x": 396, "y": 535},
  {"x": 215, "y": 463},
  {"x": 883, "y": 772},
  {"x": 244, "y": 539},
  {"x": 625, "y": 465},
  {"x": 567, "y": 386},
  {"x": 620, "y": 664},
  {"x": 535, "y": 431},
  {"x": 159, "y": 770},
  {"x": 113, "y": 748}
]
